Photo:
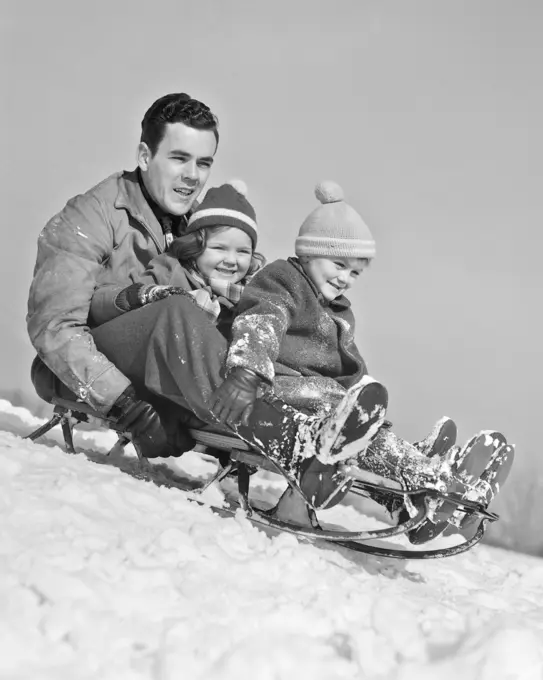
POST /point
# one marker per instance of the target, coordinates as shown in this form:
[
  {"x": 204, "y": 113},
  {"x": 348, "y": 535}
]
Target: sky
[{"x": 427, "y": 113}]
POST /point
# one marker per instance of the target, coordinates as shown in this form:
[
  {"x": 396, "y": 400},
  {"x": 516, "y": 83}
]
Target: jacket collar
[
  {"x": 130, "y": 198},
  {"x": 338, "y": 304},
  {"x": 175, "y": 225}
]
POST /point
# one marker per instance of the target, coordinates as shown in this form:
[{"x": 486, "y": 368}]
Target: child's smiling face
[
  {"x": 227, "y": 254},
  {"x": 333, "y": 276}
]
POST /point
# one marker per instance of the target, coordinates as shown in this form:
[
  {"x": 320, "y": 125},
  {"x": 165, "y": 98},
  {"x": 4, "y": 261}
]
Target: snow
[{"x": 108, "y": 576}]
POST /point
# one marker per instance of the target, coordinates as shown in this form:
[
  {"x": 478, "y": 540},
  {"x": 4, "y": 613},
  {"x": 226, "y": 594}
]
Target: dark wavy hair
[
  {"x": 188, "y": 247},
  {"x": 176, "y": 108}
]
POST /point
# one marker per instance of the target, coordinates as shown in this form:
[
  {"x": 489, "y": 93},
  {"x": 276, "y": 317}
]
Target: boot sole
[
  {"x": 356, "y": 421},
  {"x": 440, "y": 440}
]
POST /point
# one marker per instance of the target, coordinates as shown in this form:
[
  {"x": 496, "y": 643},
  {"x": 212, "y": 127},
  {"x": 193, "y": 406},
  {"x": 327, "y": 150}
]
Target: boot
[
  {"x": 491, "y": 482},
  {"x": 440, "y": 439},
  {"x": 469, "y": 465},
  {"x": 457, "y": 471},
  {"x": 438, "y": 442},
  {"x": 394, "y": 458},
  {"x": 293, "y": 440}
]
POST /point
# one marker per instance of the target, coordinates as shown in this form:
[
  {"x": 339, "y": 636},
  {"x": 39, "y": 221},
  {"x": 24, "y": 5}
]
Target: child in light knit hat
[
  {"x": 294, "y": 332},
  {"x": 334, "y": 244},
  {"x": 294, "y": 327}
]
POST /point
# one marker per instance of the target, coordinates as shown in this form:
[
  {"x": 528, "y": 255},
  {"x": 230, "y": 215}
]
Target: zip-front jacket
[
  {"x": 283, "y": 327},
  {"x": 103, "y": 239}
]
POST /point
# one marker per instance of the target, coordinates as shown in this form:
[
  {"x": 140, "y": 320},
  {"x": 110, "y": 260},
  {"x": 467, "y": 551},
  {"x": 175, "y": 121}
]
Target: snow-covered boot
[
  {"x": 438, "y": 442},
  {"x": 484, "y": 490},
  {"x": 393, "y": 458},
  {"x": 396, "y": 460},
  {"x": 441, "y": 438},
  {"x": 305, "y": 446},
  {"x": 467, "y": 465}
]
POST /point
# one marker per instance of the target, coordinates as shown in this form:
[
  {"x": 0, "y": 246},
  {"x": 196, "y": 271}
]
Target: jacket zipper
[{"x": 139, "y": 218}]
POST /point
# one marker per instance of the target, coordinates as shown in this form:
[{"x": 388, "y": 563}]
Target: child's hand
[
  {"x": 153, "y": 293},
  {"x": 136, "y": 295},
  {"x": 232, "y": 402}
]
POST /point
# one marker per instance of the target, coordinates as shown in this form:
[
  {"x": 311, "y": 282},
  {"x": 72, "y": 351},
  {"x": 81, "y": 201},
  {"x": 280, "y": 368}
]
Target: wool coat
[{"x": 285, "y": 330}]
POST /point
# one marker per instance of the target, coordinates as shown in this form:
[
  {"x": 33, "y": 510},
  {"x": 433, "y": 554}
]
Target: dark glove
[
  {"x": 232, "y": 402},
  {"x": 142, "y": 422},
  {"x": 138, "y": 294}
]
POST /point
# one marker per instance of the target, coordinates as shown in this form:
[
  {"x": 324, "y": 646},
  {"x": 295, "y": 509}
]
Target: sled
[{"x": 242, "y": 459}]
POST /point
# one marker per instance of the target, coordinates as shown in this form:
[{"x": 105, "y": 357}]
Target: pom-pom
[
  {"x": 328, "y": 191},
  {"x": 239, "y": 185}
]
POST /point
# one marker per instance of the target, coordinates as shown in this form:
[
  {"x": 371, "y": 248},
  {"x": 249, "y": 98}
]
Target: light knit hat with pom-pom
[
  {"x": 334, "y": 229},
  {"x": 225, "y": 206}
]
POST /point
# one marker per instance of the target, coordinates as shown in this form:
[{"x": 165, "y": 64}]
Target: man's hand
[
  {"x": 232, "y": 402},
  {"x": 142, "y": 422}
]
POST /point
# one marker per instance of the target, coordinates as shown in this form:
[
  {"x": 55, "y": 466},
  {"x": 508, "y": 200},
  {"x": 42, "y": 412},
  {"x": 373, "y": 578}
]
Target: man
[
  {"x": 107, "y": 236},
  {"x": 167, "y": 353}
]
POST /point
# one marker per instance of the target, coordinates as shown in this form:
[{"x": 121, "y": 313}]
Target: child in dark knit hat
[{"x": 211, "y": 262}]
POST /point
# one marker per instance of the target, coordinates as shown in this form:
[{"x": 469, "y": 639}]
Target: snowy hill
[{"x": 107, "y": 576}]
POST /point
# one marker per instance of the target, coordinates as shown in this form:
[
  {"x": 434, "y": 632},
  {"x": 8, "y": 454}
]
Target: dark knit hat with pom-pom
[
  {"x": 334, "y": 229},
  {"x": 226, "y": 206}
]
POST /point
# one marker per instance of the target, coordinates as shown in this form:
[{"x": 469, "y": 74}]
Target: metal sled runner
[{"x": 240, "y": 459}]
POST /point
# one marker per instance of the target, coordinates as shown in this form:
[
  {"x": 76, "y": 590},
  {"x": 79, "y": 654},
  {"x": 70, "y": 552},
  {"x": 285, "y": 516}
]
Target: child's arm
[
  {"x": 111, "y": 300},
  {"x": 263, "y": 316}
]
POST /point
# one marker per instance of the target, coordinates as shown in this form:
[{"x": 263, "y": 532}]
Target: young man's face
[
  {"x": 333, "y": 276},
  {"x": 178, "y": 171}
]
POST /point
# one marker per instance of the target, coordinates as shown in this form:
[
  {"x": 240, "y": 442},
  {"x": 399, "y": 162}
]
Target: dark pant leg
[
  {"x": 169, "y": 350},
  {"x": 46, "y": 383}
]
